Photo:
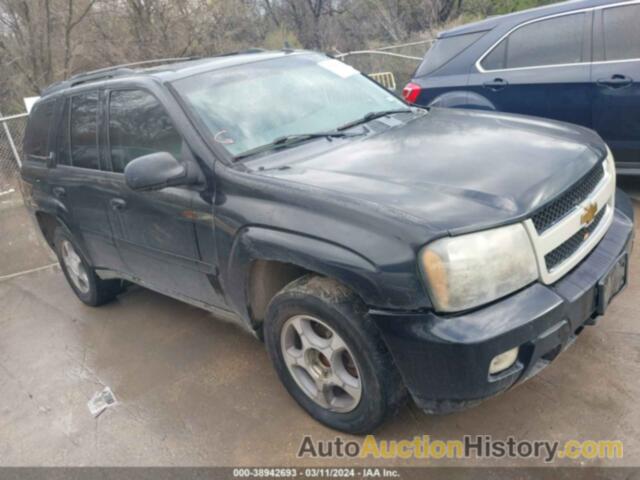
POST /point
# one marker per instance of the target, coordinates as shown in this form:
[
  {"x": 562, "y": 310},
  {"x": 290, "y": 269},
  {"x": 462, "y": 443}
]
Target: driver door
[{"x": 155, "y": 232}]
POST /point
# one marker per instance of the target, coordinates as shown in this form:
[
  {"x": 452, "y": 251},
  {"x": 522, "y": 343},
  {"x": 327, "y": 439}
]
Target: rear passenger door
[
  {"x": 616, "y": 82},
  {"x": 36, "y": 161},
  {"x": 540, "y": 68},
  {"x": 80, "y": 182},
  {"x": 155, "y": 232}
]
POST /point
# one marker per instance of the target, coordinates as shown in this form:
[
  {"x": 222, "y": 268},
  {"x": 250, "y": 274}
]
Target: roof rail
[
  {"x": 108, "y": 72},
  {"x": 126, "y": 66},
  {"x": 124, "y": 69},
  {"x": 89, "y": 77}
]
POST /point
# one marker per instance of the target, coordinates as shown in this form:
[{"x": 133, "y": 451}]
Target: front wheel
[{"x": 330, "y": 357}]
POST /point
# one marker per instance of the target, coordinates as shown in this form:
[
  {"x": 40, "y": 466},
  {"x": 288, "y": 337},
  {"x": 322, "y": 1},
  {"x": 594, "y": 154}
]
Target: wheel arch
[
  {"x": 263, "y": 261},
  {"x": 48, "y": 223},
  {"x": 462, "y": 99}
]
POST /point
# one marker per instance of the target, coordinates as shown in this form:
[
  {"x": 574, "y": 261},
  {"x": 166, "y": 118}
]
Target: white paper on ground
[{"x": 101, "y": 401}]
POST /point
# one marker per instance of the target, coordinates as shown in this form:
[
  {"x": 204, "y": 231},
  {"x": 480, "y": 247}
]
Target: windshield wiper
[
  {"x": 372, "y": 116},
  {"x": 290, "y": 140}
]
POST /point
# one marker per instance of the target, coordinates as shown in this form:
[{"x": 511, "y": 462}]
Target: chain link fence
[
  {"x": 11, "y": 134},
  {"x": 396, "y": 62},
  {"x": 22, "y": 248}
]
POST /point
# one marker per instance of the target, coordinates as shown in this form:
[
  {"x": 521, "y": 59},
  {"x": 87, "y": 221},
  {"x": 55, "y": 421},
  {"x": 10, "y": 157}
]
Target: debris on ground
[{"x": 101, "y": 401}]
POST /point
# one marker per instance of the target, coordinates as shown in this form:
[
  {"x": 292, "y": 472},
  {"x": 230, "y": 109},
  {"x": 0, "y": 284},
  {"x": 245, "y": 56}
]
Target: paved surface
[
  {"x": 21, "y": 247},
  {"x": 193, "y": 390}
]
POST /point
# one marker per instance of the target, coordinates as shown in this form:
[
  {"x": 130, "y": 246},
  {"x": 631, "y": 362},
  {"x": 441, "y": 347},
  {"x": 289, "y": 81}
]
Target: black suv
[{"x": 379, "y": 249}]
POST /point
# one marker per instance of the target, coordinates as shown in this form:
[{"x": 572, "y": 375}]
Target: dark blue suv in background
[{"x": 576, "y": 61}]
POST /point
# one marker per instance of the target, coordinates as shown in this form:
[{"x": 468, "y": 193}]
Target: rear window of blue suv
[{"x": 444, "y": 50}]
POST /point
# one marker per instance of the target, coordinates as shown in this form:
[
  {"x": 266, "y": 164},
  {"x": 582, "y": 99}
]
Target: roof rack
[
  {"x": 125, "y": 69},
  {"x": 109, "y": 72},
  {"x": 91, "y": 76},
  {"x": 80, "y": 78}
]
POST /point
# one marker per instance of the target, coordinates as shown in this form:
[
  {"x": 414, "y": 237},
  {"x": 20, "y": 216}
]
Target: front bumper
[{"x": 444, "y": 360}]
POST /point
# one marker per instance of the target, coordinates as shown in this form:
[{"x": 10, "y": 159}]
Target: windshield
[{"x": 252, "y": 105}]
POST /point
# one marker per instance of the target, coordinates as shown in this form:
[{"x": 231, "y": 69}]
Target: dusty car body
[{"x": 336, "y": 248}]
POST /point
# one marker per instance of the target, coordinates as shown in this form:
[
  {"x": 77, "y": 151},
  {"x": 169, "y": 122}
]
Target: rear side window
[
  {"x": 621, "y": 32},
  {"x": 554, "y": 41},
  {"x": 36, "y": 140},
  {"x": 84, "y": 131},
  {"x": 139, "y": 125},
  {"x": 444, "y": 50}
]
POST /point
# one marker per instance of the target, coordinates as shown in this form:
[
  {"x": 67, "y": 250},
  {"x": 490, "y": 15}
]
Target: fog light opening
[{"x": 503, "y": 361}]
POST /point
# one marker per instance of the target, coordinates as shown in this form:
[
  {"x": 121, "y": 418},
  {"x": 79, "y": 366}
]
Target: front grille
[
  {"x": 561, "y": 206},
  {"x": 561, "y": 253}
]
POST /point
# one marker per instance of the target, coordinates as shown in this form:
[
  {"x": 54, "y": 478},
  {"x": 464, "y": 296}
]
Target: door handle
[
  {"x": 59, "y": 192},
  {"x": 118, "y": 204},
  {"x": 496, "y": 84},
  {"x": 616, "y": 81}
]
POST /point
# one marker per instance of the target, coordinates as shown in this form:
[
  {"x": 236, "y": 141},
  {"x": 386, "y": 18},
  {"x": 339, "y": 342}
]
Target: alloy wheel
[
  {"x": 321, "y": 363},
  {"x": 74, "y": 266}
]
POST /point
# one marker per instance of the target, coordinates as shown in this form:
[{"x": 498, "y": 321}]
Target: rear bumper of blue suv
[{"x": 444, "y": 360}]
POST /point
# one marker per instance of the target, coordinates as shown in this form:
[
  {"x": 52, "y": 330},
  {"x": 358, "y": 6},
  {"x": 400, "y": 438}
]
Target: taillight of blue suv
[{"x": 411, "y": 92}]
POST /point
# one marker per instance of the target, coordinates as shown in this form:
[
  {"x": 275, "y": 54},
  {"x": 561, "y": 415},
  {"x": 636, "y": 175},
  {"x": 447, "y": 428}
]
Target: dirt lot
[{"x": 193, "y": 390}]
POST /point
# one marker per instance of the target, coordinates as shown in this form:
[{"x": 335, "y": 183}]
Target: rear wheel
[
  {"x": 330, "y": 357},
  {"x": 82, "y": 279}
]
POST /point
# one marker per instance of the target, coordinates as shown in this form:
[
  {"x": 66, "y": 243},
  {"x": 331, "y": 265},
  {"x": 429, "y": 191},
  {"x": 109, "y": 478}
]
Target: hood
[{"x": 454, "y": 170}]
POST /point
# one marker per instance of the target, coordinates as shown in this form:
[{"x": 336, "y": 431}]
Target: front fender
[
  {"x": 325, "y": 258},
  {"x": 462, "y": 99}
]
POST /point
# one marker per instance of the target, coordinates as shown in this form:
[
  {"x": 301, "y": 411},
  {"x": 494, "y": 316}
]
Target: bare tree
[
  {"x": 42, "y": 41},
  {"x": 310, "y": 20},
  {"x": 37, "y": 40},
  {"x": 446, "y": 9},
  {"x": 72, "y": 20}
]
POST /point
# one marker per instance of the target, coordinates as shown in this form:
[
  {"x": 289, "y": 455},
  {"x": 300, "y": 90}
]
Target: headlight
[
  {"x": 470, "y": 270},
  {"x": 611, "y": 164}
]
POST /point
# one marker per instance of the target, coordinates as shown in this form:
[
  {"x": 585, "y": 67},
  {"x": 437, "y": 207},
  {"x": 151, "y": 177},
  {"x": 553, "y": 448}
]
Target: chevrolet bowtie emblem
[{"x": 589, "y": 214}]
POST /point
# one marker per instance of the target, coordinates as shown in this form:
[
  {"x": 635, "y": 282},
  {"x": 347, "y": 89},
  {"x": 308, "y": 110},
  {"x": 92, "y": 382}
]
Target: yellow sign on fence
[{"x": 386, "y": 79}]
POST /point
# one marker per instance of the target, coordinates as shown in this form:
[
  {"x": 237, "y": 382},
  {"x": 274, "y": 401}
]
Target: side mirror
[{"x": 155, "y": 171}]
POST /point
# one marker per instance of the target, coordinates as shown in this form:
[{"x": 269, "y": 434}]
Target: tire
[
  {"x": 340, "y": 344},
  {"x": 80, "y": 275}
]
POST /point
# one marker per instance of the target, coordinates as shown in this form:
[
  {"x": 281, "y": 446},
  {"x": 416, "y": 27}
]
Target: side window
[
  {"x": 496, "y": 60},
  {"x": 621, "y": 32},
  {"x": 63, "y": 156},
  {"x": 36, "y": 140},
  {"x": 139, "y": 125},
  {"x": 554, "y": 41},
  {"x": 84, "y": 131}
]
